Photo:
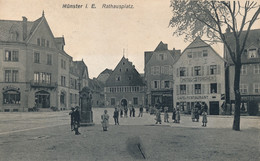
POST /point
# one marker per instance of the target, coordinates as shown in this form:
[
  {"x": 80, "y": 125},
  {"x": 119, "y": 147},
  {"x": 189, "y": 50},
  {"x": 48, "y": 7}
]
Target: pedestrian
[
  {"x": 76, "y": 121},
  {"x": 141, "y": 110},
  {"x": 105, "y": 120},
  {"x": 158, "y": 116},
  {"x": 178, "y": 116},
  {"x": 115, "y": 116},
  {"x": 197, "y": 111},
  {"x": 133, "y": 111},
  {"x": 125, "y": 111},
  {"x": 166, "y": 115},
  {"x": 204, "y": 118},
  {"x": 193, "y": 114},
  {"x": 121, "y": 112},
  {"x": 174, "y": 115},
  {"x": 72, "y": 118}
]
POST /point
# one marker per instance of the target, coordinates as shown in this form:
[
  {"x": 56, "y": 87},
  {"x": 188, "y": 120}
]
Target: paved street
[{"x": 47, "y": 136}]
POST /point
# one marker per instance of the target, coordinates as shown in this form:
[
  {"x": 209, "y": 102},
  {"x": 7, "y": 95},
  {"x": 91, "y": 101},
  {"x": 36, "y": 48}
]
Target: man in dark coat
[
  {"x": 72, "y": 119},
  {"x": 76, "y": 121},
  {"x": 116, "y": 114}
]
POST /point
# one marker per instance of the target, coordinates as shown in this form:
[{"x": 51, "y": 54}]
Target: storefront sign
[
  {"x": 198, "y": 79},
  {"x": 192, "y": 97},
  {"x": 10, "y": 87}
]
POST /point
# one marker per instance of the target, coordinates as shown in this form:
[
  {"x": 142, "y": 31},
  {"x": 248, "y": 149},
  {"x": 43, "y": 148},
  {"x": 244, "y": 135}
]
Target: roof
[
  {"x": 96, "y": 85},
  {"x": 78, "y": 68},
  {"x": 109, "y": 71},
  {"x": 124, "y": 70},
  {"x": 161, "y": 46},
  {"x": 252, "y": 40}
]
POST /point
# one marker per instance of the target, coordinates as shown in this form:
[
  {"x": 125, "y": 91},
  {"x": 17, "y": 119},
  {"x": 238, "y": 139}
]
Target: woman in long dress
[{"x": 105, "y": 120}]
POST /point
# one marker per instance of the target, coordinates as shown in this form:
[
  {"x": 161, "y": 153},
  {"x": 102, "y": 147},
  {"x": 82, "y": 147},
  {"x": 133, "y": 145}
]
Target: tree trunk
[{"x": 236, "y": 123}]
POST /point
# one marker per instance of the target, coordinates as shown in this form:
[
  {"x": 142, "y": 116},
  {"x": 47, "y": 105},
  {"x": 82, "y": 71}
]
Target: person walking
[
  {"x": 193, "y": 114},
  {"x": 121, "y": 112},
  {"x": 76, "y": 121},
  {"x": 158, "y": 117},
  {"x": 166, "y": 115},
  {"x": 174, "y": 115},
  {"x": 204, "y": 118},
  {"x": 178, "y": 116},
  {"x": 105, "y": 120},
  {"x": 141, "y": 110},
  {"x": 125, "y": 111},
  {"x": 72, "y": 118},
  {"x": 133, "y": 111},
  {"x": 115, "y": 116}
]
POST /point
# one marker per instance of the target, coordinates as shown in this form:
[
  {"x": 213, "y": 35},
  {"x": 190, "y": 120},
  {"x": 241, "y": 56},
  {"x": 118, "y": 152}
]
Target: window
[
  {"x": 257, "y": 68},
  {"x": 49, "y": 59},
  {"x": 157, "y": 70},
  {"x": 63, "y": 64},
  {"x": 243, "y": 70},
  {"x": 113, "y": 101},
  {"x": 197, "y": 88},
  {"x": 15, "y": 76},
  {"x": 205, "y": 53},
  {"x": 189, "y": 55},
  {"x": 48, "y": 44},
  {"x": 70, "y": 98},
  {"x": 183, "y": 89},
  {"x": 166, "y": 84},
  {"x": 39, "y": 42},
  {"x": 183, "y": 71},
  {"x": 129, "y": 77},
  {"x": 243, "y": 88},
  {"x": 135, "y": 100},
  {"x": 257, "y": 88},
  {"x": 11, "y": 55},
  {"x": 118, "y": 78},
  {"x": 155, "y": 84},
  {"x": 36, "y": 57},
  {"x": 42, "y": 42},
  {"x": 197, "y": 70},
  {"x": 165, "y": 69},
  {"x": 213, "y": 69},
  {"x": 11, "y": 97},
  {"x": 213, "y": 88},
  {"x": 48, "y": 78},
  {"x": 63, "y": 81},
  {"x": 161, "y": 56},
  {"x": 252, "y": 53},
  {"x": 8, "y": 76}
]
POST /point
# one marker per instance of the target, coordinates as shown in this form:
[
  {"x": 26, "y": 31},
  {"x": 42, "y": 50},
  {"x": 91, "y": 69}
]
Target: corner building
[
  {"x": 34, "y": 68},
  {"x": 199, "y": 77}
]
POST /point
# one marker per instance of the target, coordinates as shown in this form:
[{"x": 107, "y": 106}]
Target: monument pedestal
[{"x": 86, "y": 114}]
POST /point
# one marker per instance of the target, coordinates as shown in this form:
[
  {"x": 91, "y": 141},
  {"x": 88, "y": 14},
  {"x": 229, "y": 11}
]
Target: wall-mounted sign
[
  {"x": 199, "y": 79},
  {"x": 192, "y": 97}
]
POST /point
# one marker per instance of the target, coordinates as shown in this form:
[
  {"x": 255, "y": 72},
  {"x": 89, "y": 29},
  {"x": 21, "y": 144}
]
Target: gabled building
[
  {"x": 159, "y": 75},
  {"x": 250, "y": 73},
  {"x": 103, "y": 76},
  {"x": 124, "y": 86},
  {"x": 97, "y": 91},
  {"x": 199, "y": 76},
  {"x": 34, "y": 68}
]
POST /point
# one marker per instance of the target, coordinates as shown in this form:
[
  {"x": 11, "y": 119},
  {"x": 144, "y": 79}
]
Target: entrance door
[
  {"x": 124, "y": 102},
  {"x": 214, "y": 108},
  {"x": 42, "y": 99}
]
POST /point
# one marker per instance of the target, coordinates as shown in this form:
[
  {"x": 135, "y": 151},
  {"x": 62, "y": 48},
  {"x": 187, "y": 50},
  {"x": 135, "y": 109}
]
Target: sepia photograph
[{"x": 126, "y": 80}]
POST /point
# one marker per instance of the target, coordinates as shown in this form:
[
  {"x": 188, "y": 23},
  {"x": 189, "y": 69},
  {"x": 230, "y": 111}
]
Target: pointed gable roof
[
  {"x": 79, "y": 68},
  {"x": 161, "y": 46},
  {"x": 197, "y": 43},
  {"x": 124, "y": 69}
]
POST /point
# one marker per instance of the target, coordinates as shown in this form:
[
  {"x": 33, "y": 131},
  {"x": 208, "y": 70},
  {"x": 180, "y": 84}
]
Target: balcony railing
[{"x": 43, "y": 84}]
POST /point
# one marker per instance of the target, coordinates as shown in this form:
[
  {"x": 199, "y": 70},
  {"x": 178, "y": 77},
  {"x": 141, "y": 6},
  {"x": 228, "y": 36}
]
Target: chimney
[{"x": 24, "y": 28}]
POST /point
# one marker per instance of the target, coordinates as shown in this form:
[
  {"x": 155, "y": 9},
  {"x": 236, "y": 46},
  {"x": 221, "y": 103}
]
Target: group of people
[
  {"x": 124, "y": 111},
  {"x": 75, "y": 120},
  {"x": 197, "y": 110}
]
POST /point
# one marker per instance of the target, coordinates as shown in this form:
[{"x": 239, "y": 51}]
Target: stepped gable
[{"x": 129, "y": 76}]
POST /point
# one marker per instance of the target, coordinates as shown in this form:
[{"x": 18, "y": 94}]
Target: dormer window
[{"x": 252, "y": 53}]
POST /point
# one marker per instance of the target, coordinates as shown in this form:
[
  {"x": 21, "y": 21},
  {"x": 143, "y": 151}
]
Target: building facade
[
  {"x": 250, "y": 73},
  {"x": 124, "y": 87},
  {"x": 159, "y": 75},
  {"x": 34, "y": 68},
  {"x": 199, "y": 76}
]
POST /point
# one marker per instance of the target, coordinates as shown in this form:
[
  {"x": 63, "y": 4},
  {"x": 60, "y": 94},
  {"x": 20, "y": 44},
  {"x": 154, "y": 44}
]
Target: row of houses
[
  {"x": 181, "y": 79},
  {"x": 35, "y": 70}
]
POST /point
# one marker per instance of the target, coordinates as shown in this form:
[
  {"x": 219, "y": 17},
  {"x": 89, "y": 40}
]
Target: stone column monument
[{"x": 86, "y": 114}]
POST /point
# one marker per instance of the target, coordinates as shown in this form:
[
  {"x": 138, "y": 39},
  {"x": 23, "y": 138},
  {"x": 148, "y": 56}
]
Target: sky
[{"x": 101, "y": 36}]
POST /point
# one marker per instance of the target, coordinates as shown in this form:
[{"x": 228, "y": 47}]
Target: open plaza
[{"x": 46, "y": 136}]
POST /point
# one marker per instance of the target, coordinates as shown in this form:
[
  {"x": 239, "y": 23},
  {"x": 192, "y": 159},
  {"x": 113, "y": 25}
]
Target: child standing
[
  {"x": 204, "y": 118},
  {"x": 158, "y": 116},
  {"x": 178, "y": 116},
  {"x": 105, "y": 120},
  {"x": 166, "y": 115}
]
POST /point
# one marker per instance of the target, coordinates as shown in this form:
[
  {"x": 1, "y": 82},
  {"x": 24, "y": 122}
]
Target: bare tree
[{"x": 211, "y": 18}]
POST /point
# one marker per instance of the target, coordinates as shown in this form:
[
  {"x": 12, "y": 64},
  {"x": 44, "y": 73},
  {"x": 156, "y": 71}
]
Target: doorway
[
  {"x": 42, "y": 99},
  {"x": 124, "y": 102},
  {"x": 214, "y": 108}
]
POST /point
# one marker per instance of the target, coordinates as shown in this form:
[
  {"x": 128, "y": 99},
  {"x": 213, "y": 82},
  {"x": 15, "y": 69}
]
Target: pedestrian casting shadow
[{"x": 135, "y": 147}]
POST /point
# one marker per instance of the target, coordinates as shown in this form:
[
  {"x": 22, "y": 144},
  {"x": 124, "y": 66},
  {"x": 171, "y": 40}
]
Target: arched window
[{"x": 11, "y": 97}]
